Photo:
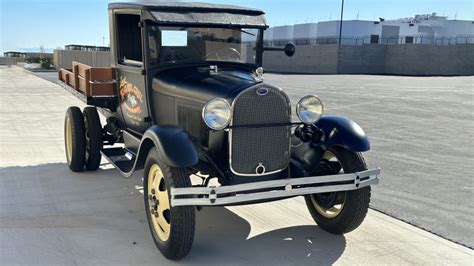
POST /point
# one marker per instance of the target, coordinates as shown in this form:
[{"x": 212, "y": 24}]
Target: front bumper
[{"x": 275, "y": 189}]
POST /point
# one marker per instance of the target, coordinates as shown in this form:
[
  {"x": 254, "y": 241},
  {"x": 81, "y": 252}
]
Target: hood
[{"x": 198, "y": 83}]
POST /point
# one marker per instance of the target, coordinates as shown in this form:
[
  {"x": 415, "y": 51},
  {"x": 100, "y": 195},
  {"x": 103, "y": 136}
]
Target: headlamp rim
[
  {"x": 299, "y": 104},
  {"x": 204, "y": 112}
]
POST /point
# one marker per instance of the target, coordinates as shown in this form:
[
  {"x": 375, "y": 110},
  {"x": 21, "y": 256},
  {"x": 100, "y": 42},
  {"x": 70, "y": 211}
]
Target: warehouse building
[
  {"x": 421, "y": 29},
  {"x": 14, "y": 54},
  {"x": 90, "y": 48}
]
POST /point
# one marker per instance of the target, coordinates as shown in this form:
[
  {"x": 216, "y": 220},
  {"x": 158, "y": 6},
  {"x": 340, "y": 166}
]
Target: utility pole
[{"x": 340, "y": 23}]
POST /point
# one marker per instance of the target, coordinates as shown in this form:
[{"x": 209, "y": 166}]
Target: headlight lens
[
  {"x": 309, "y": 109},
  {"x": 216, "y": 114}
]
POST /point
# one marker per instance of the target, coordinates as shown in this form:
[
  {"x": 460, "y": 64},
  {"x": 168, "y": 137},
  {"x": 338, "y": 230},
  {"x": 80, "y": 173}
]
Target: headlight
[
  {"x": 309, "y": 109},
  {"x": 216, "y": 114}
]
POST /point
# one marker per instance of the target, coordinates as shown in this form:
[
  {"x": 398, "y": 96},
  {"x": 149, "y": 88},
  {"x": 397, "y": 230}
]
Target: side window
[
  {"x": 129, "y": 42},
  {"x": 153, "y": 44}
]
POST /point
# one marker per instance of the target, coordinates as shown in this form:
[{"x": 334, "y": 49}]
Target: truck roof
[
  {"x": 196, "y": 13},
  {"x": 183, "y": 6}
]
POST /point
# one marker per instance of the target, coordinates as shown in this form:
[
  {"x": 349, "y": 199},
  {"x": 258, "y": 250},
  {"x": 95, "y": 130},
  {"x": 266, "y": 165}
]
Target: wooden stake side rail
[
  {"x": 90, "y": 81},
  {"x": 96, "y": 86}
]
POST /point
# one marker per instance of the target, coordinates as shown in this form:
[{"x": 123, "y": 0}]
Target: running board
[
  {"x": 122, "y": 159},
  {"x": 275, "y": 189}
]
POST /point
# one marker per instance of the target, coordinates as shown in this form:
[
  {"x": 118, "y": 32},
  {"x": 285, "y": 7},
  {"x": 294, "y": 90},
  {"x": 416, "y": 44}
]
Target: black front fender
[
  {"x": 173, "y": 144},
  {"x": 342, "y": 131}
]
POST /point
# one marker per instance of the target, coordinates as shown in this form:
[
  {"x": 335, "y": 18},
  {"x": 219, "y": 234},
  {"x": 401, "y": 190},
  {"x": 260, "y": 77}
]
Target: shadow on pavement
[
  {"x": 98, "y": 217},
  {"x": 222, "y": 238}
]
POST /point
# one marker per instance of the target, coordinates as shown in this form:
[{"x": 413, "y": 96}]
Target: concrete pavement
[
  {"x": 421, "y": 131},
  {"x": 49, "y": 215}
]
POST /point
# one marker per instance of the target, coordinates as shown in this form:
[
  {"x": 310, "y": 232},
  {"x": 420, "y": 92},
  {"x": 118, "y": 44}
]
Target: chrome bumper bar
[{"x": 226, "y": 195}]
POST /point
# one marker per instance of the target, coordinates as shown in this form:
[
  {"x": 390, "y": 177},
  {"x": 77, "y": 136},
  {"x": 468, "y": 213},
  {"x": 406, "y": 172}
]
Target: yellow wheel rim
[
  {"x": 68, "y": 139},
  {"x": 159, "y": 203},
  {"x": 331, "y": 212},
  {"x": 334, "y": 210}
]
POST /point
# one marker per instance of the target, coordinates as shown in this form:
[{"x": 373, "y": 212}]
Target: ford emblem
[{"x": 262, "y": 91}]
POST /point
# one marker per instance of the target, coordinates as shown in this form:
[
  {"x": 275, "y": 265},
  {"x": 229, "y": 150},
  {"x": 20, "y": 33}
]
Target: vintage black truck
[{"x": 185, "y": 96}]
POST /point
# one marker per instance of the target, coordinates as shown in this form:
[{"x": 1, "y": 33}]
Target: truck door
[{"x": 130, "y": 67}]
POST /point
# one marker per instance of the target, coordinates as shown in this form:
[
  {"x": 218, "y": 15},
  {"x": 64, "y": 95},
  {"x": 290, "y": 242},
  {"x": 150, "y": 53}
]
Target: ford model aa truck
[{"x": 185, "y": 95}]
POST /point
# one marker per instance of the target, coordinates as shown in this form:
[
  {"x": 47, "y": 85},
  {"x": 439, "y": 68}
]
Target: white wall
[
  {"x": 328, "y": 28},
  {"x": 457, "y": 27},
  {"x": 357, "y": 28},
  {"x": 305, "y": 31},
  {"x": 350, "y": 28},
  {"x": 283, "y": 33},
  {"x": 268, "y": 35},
  {"x": 431, "y": 28}
]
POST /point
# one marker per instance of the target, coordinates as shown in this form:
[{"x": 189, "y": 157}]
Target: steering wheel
[{"x": 225, "y": 49}]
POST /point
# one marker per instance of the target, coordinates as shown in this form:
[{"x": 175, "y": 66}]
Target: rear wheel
[
  {"x": 340, "y": 212},
  {"x": 172, "y": 228},
  {"x": 74, "y": 139},
  {"x": 93, "y": 137}
]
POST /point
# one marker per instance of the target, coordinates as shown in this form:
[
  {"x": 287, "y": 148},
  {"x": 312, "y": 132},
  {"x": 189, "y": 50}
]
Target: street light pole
[{"x": 340, "y": 22}]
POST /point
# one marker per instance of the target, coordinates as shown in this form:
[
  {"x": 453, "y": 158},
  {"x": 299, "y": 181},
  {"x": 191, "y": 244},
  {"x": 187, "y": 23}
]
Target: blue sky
[{"x": 27, "y": 24}]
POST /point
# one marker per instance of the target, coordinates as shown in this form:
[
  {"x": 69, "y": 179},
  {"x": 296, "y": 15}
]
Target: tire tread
[
  {"x": 183, "y": 218},
  {"x": 95, "y": 138},
  {"x": 76, "y": 164},
  {"x": 357, "y": 201}
]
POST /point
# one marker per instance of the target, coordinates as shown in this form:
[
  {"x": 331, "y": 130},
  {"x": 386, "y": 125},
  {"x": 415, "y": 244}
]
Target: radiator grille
[{"x": 268, "y": 146}]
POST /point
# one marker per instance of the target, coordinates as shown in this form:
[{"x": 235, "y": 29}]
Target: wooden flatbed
[{"x": 96, "y": 86}]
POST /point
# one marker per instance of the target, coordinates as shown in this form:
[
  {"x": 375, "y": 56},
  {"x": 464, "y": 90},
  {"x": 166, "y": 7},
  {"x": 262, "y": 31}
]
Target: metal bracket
[{"x": 212, "y": 195}]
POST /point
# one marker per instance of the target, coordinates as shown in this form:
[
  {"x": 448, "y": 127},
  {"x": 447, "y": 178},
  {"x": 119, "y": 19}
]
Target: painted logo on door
[{"x": 130, "y": 96}]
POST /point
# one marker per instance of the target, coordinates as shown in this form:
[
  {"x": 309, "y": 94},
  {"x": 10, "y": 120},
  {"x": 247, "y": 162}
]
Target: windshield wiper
[{"x": 241, "y": 30}]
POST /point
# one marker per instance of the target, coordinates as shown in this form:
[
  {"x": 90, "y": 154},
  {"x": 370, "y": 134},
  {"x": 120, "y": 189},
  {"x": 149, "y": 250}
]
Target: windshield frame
[{"x": 258, "y": 45}]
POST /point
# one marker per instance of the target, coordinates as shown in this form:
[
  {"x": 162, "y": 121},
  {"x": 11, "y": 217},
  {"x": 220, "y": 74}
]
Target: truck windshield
[{"x": 193, "y": 44}]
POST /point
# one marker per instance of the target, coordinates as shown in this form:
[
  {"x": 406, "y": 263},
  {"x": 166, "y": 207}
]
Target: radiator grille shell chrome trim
[{"x": 230, "y": 129}]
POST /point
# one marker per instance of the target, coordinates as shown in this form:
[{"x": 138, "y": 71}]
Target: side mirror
[{"x": 290, "y": 49}]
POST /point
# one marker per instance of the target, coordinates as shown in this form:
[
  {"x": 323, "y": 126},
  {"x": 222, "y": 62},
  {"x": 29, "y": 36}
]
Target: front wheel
[
  {"x": 340, "y": 212},
  {"x": 172, "y": 228}
]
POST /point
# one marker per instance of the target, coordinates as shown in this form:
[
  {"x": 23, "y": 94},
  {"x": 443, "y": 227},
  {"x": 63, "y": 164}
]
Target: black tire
[
  {"x": 74, "y": 139},
  {"x": 356, "y": 202},
  {"x": 93, "y": 136},
  {"x": 181, "y": 219}
]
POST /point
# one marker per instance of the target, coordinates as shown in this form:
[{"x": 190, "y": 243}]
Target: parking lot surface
[{"x": 421, "y": 132}]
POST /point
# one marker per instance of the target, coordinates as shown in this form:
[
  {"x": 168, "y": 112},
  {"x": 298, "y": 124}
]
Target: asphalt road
[{"x": 49, "y": 215}]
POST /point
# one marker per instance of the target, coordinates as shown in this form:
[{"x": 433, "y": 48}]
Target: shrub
[
  {"x": 33, "y": 59},
  {"x": 45, "y": 62}
]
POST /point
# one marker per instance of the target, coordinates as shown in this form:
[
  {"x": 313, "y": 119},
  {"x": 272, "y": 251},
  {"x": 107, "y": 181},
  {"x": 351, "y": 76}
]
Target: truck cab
[{"x": 149, "y": 41}]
